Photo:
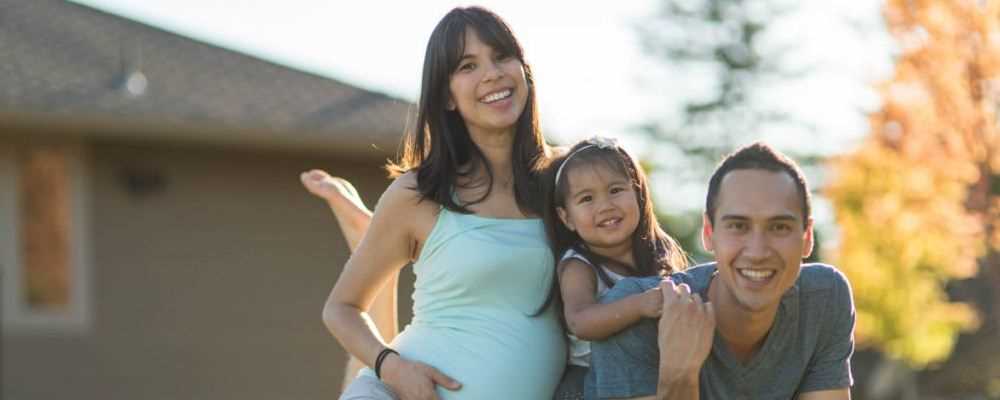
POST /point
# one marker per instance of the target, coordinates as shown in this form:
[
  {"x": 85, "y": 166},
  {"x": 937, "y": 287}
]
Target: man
[{"x": 769, "y": 327}]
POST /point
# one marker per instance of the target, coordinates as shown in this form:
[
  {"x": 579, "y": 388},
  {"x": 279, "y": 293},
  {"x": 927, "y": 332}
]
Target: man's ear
[
  {"x": 706, "y": 233},
  {"x": 808, "y": 240},
  {"x": 564, "y": 217}
]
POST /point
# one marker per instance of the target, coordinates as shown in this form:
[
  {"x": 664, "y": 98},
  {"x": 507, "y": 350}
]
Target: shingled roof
[{"x": 73, "y": 69}]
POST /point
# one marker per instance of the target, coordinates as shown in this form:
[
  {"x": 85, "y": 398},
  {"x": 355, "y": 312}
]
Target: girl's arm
[
  {"x": 353, "y": 217},
  {"x": 384, "y": 249},
  {"x": 590, "y": 320}
]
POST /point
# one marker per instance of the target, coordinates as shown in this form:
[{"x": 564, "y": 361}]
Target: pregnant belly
[{"x": 523, "y": 362}]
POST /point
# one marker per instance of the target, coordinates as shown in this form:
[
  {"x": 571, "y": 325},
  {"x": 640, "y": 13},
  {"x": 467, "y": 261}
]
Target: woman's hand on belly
[{"x": 414, "y": 380}]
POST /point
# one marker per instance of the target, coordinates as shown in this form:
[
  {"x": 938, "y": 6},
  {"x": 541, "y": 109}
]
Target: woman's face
[{"x": 488, "y": 88}]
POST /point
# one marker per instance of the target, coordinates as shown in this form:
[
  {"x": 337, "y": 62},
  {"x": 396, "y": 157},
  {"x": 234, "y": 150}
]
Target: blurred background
[{"x": 156, "y": 243}]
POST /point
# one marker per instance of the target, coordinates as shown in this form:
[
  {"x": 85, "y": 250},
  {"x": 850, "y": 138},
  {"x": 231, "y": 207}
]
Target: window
[{"x": 43, "y": 246}]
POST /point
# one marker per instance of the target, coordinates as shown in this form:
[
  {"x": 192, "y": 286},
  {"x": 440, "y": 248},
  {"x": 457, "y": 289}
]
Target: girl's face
[
  {"x": 488, "y": 88},
  {"x": 601, "y": 206}
]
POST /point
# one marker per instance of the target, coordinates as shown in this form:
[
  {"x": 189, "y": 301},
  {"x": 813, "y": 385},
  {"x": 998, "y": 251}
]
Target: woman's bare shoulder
[{"x": 403, "y": 196}]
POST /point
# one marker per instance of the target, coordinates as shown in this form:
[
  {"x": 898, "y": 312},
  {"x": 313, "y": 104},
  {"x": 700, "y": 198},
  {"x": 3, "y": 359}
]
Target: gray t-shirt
[{"x": 808, "y": 348}]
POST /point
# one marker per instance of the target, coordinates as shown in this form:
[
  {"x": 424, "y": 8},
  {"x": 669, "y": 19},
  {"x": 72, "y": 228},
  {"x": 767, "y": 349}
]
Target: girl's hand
[
  {"x": 651, "y": 303},
  {"x": 412, "y": 380}
]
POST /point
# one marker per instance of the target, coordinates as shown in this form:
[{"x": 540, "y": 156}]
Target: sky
[{"x": 592, "y": 74}]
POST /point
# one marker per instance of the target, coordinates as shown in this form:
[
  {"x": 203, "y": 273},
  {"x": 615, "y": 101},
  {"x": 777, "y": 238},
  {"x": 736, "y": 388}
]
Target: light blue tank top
[{"x": 479, "y": 280}]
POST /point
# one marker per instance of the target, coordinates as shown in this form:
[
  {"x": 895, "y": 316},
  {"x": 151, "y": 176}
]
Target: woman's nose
[{"x": 492, "y": 71}]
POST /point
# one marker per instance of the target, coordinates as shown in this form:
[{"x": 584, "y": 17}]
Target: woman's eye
[
  {"x": 585, "y": 199},
  {"x": 617, "y": 190},
  {"x": 502, "y": 56},
  {"x": 467, "y": 67},
  {"x": 781, "y": 228}
]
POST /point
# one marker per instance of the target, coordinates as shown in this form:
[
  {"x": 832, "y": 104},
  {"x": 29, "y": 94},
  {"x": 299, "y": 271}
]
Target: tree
[
  {"x": 914, "y": 203},
  {"x": 723, "y": 44},
  {"x": 726, "y": 47},
  {"x": 718, "y": 43}
]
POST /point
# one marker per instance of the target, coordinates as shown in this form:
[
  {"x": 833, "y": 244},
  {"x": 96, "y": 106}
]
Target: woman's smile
[{"x": 496, "y": 96}]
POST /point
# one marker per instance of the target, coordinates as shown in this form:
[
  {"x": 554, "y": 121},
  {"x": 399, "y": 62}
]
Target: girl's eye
[
  {"x": 617, "y": 190},
  {"x": 467, "y": 67},
  {"x": 585, "y": 199},
  {"x": 781, "y": 228},
  {"x": 502, "y": 56}
]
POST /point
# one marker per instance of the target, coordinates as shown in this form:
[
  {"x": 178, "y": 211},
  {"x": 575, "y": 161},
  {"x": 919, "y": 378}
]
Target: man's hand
[{"x": 686, "y": 330}]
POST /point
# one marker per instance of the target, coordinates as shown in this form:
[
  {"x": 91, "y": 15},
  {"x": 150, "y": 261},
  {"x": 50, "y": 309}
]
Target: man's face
[{"x": 758, "y": 238}]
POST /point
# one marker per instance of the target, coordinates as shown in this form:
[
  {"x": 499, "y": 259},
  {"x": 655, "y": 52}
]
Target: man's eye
[
  {"x": 781, "y": 228},
  {"x": 736, "y": 226}
]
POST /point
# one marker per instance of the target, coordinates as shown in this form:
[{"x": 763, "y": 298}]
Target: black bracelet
[{"x": 380, "y": 358}]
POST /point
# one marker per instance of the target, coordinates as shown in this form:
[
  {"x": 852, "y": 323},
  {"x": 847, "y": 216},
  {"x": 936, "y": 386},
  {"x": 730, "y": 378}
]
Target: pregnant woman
[{"x": 464, "y": 208}]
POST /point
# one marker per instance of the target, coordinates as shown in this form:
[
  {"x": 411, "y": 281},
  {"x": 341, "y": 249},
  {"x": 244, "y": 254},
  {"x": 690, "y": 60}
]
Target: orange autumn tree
[{"x": 913, "y": 201}]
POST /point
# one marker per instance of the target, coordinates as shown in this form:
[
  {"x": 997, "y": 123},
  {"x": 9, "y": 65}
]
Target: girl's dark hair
[
  {"x": 439, "y": 147},
  {"x": 654, "y": 251}
]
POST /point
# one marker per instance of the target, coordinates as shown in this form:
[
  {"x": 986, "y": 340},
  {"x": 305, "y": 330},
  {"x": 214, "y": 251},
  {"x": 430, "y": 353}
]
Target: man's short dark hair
[{"x": 758, "y": 155}]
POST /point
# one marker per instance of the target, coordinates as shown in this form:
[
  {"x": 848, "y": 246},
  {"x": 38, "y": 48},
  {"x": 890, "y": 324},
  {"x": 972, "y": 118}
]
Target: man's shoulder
[
  {"x": 697, "y": 277},
  {"x": 821, "y": 277},
  {"x": 822, "y": 289}
]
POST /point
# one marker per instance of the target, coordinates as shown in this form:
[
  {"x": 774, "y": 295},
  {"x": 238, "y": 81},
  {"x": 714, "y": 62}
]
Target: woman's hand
[{"x": 412, "y": 380}]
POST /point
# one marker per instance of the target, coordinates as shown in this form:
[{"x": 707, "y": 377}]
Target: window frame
[{"x": 17, "y": 315}]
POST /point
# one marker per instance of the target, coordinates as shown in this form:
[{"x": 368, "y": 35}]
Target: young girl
[{"x": 601, "y": 225}]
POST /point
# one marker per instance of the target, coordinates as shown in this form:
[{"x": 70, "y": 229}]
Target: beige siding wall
[{"x": 208, "y": 288}]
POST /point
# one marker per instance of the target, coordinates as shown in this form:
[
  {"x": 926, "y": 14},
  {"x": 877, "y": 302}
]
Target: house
[{"x": 155, "y": 241}]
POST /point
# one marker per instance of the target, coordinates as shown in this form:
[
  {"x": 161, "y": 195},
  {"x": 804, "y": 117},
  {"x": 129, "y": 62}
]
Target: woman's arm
[
  {"x": 353, "y": 217},
  {"x": 384, "y": 249},
  {"x": 590, "y": 320}
]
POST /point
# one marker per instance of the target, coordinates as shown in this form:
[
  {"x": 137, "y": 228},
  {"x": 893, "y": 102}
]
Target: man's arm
[
  {"x": 655, "y": 359},
  {"x": 828, "y": 375},
  {"x": 685, "y": 335},
  {"x": 686, "y": 328}
]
